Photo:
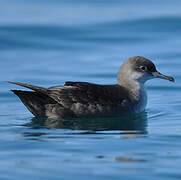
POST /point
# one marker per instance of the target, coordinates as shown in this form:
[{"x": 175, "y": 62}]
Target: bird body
[
  {"x": 83, "y": 99},
  {"x": 76, "y": 99}
]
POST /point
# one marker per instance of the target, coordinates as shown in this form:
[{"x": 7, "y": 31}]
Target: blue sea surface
[{"x": 46, "y": 43}]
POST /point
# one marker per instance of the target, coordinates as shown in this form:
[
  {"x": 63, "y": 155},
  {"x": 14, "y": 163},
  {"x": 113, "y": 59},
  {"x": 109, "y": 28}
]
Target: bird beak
[{"x": 156, "y": 74}]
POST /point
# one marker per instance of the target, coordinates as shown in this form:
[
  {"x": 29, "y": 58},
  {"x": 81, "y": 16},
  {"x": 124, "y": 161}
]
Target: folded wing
[{"x": 79, "y": 99}]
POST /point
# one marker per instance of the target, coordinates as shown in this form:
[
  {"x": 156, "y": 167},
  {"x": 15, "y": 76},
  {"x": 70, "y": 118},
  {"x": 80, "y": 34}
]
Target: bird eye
[{"x": 143, "y": 68}]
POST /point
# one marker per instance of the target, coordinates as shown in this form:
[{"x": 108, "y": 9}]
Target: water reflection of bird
[
  {"x": 131, "y": 124},
  {"x": 83, "y": 99}
]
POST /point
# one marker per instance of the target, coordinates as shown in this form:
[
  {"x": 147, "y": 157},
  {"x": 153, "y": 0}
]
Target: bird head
[{"x": 140, "y": 69}]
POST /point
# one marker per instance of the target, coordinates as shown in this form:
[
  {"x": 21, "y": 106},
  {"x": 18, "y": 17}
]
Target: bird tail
[{"x": 35, "y": 102}]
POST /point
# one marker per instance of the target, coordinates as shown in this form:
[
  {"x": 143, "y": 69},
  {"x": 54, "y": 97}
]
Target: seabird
[{"x": 83, "y": 99}]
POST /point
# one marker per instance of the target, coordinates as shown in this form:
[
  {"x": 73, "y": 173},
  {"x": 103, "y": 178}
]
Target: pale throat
[
  {"x": 138, "y": 96},
  {"x": 136, "y": 90},
  {"x": 134, "y": 82}
]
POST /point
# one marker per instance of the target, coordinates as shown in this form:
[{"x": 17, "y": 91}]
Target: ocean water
[{"x": 49, "y": 42}]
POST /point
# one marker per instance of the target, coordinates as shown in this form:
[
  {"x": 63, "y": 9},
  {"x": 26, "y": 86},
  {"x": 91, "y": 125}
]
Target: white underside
[
  {"x": 141, "y": 101},
  {"x": 138, "y": 94}
]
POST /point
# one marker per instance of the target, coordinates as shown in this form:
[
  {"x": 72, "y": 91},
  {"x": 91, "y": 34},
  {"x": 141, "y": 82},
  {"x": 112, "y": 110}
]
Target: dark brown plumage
[
  {"x": 74, "y": 99},
  {"x": 83, "y": 99}
]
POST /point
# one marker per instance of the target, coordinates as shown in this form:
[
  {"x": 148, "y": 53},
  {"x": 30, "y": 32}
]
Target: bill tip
[{"x": 172, "y": 79}]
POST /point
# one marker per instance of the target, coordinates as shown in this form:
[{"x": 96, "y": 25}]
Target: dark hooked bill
[{"x": 157, "y": 74}]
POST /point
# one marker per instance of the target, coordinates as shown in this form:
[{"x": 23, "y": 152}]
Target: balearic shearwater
[{"x": 83, "y": 99}]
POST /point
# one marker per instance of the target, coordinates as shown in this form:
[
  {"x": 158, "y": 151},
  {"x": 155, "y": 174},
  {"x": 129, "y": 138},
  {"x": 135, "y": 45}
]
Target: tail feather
[{"x": 35, "y": 102}]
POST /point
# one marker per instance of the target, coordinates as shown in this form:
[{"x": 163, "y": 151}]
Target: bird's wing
[
  {"x": 80, "y": 84},
  {"x": 32, "y": 87},
  {"x": 89, "y": 93},
  {"x": 82, "y": 93}
]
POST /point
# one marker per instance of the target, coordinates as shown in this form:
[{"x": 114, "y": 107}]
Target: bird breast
[{"x": 139, "y": 97}]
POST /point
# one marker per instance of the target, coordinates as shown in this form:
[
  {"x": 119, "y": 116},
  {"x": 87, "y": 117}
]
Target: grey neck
[{"x": 136, "y": 88}]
